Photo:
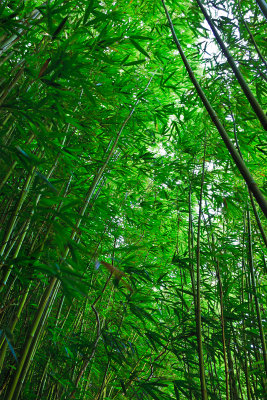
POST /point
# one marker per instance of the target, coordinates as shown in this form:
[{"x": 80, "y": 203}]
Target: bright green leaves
[
  {"x": 88, "y": 10},
  {"x": 154, "y": 391},
  {"x": 126, "y": 329},
  {"x": 139, "y": 48}
]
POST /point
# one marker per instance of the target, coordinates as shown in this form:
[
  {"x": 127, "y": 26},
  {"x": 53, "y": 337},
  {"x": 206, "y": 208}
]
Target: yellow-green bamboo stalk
[
  {"x": 7, "y": 274},
  {"x": 254, "y": 289},
  {"x": 4, "y": 343},
  {"x": 13, "y": 219},
  {"x": 198, "y": 291},
  {"x": 11, "y": 85},
  {"x": 13, "y": 165},
  {"x": 223, "y": 332},
  {"x": 47, "y": 294},
  {"x": 34, "y": 345},
  {"x": 8, "y": 43},
  {"x": 53, "y": 288},
  {"x": 8, "y": 271}
]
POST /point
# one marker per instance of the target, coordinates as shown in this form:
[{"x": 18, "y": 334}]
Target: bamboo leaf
[{"x": 139, "y": 48}]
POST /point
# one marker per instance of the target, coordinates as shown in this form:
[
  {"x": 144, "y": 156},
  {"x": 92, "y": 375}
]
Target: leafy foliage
[{"x": 109, "y": 257}]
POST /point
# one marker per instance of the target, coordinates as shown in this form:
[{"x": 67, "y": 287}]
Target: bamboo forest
[{"x": 133, "y": 199}]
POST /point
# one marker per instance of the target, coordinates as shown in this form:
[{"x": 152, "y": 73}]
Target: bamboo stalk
[
  {"x": 13, "y": 219},
  {"x": 223, "y": 332},
  {"x": 218, "y": 273},
  {"x": 34, "y": 345},
  {"x": 44, "y": 374},
  {"x": 53, "y": 288},
  {"x": 27, "y": 350},
  {"x": 227, "y": 141},
  {"x": 251, "y": 36},
  {"x": 250, "y": 195},
  {"x": 12, "y": 393},
  {"x": 253, "y": 283},
  {"x": 9, "y": 269},
  {"x": 101, "y": 171},
  {"x": 98, "y": 396},
  {"x": 27, "y": 225},
  {"x": 13, "y": 165},
  {"x": 251, "y": 98},
  {"x": 190, "y": 247},
  {"x": 8, "y": 43},
  {"x": 98, "y": 336},
  {"x": 11, "y": 85},
  {"x": 8, "y": 272},
  {"x": 263, "y": 235},
  {"x": 263, "y": 6},
  {"x": 198, "y": 290},
  {"x": 248, "y": 388},
  {"x": 232, "y": 379},
  {"x": 42, "y": 380},
  {"x": 14, "y": 323}
]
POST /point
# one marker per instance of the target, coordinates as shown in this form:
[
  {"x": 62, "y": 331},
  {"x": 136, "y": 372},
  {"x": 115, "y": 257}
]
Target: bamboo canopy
[{"x": 133, "y": 200}]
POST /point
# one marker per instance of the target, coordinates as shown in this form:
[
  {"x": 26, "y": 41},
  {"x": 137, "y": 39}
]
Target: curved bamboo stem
[
  {"x": 251, "y": 98},
  {"x": 227, "y": 141},
  {"x": 263, "y": 6}
]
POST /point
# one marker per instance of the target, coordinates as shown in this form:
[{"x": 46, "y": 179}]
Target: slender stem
[
  {"x": 20, "y": 202},
  {"x": 223, "y": 332},
  {"x": 101, "y": 171},
  {"x": 250, "y": 195},
  {"x": 50, "y": 292},
  {"x": 263, "y": 6},
  {"x": 190, "y": 247},
  {"x": 98, "y": 335},
  {"x": 35, "y": 342},
  {"x": 251, "y": 36},
  {"x": 198, "y": 292},
  {"x": 231, "y": 148},
  {"x": 14, "y": 38},
  {"x": 46, "y": 296},
  {"x": 253, "y": 282},
  {"x": 14, "y": 323},
  {"x": 251, "y": 98},
  {"x": 11, "y": 85},
  {"x": 217, "y": 268},
  {"x": 103, "y": 381},
  {"x": 232, "y": 378},
  {"x": 263, "y": 235}
]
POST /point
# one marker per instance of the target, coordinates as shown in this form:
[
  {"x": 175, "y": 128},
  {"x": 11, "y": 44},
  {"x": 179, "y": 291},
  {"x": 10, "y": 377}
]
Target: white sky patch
[
  {"x": 210, "y": 46},
  {"x": 209, "y": 166},
  {"x": 159, "y": 150},
  {"x": 164, "y": 186}
]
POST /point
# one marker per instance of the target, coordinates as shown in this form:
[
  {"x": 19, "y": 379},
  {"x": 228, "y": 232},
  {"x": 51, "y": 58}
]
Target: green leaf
[
  {"x": 139, "y": 48},
  {"x": 88, "y": 11}
]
